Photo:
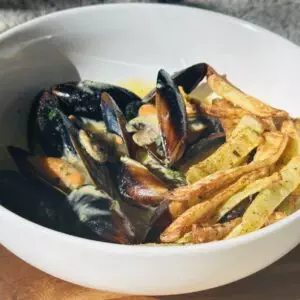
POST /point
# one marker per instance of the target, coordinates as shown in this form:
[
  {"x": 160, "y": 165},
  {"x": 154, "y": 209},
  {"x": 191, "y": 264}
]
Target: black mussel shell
[
  {"x": 83, "y": 98},
  {"x": 132, "y": 109},
  {"x": 102, "y": 215},
  {"x": 45, "y": 128},
  {"x": 95, "y": 164},
  {"x": 190, "y": 77},
  {"x": 172, "y": 118},
  {"x": 39, "y": 204},
  {"x": 138, "y": 184},
  {"x": 115, "y": 121},
  {"x": 148, "y": 221},
  {"x": 187, "y": 78}
]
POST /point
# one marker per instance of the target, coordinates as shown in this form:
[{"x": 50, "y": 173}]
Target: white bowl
[{"x": 117, "y": 42}]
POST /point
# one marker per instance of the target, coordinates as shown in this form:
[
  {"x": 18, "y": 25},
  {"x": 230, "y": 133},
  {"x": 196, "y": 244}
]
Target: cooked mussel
[
  {"x": 83, "y": 98},
  {"x": 80, "y": 99},
  {"x": 137, "y": 183},
  {"x": 40, "y": 204},
  {"x": 101, "y": 214},
  {"x": 115, "y": 122},
  {"x": 171, "y": 117},
  {"x": 187, "y": 78}
]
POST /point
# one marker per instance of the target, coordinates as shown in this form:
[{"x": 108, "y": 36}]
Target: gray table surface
[{"x": 281, "y": 16}]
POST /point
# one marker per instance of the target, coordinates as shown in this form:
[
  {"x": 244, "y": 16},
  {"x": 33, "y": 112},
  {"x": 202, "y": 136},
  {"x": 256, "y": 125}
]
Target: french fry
[
  {"x": 245, "y": 138},
  {"x": 226, "y": 90},
  {"x": 275, "y": 217},
  {"x": 269, "y": 199},
  {"x": 267, "y": 157},
  {"x": 186, "y": 239},
  {"x": 216, "y": 232},
  {"x": 293, "y": 148},
  {"x": 205, "y": 209},
  {"x": 229, "y": 124},
  {"x": 290, "y": 204},
  {"x": 249, "y": 190},
  {"x": 297, "y": 125},
  {"x": 176, "y": 208},
  {"x": 270, "y": 145}
]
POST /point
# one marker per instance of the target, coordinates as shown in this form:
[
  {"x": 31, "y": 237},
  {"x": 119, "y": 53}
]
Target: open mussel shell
[
  {"x": 171, "y": 117},
  {"x": 42, "y": 168},
  {"x": 115, "y": 122},
  {"x": 46, "y": 129},
  {"x": 138, "y": 184},
  {"x": 90, "y": 153},
  {"x": 39, "y": 203},
  {"x": 188, "y": 79},
  {"x": 148, "y": 221},
  {"x": 82, "y": 98},
  {"x": 101, "y": 214},
  {"x": 144, "y": 201},
  {"x": 72, "y": 98}
]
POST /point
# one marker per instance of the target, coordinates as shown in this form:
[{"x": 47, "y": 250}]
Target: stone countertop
[{"x": 281, "y": 16}]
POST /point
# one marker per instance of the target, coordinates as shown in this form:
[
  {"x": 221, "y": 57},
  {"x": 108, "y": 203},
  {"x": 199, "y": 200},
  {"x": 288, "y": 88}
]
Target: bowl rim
[{"x": 142, "y": 249}]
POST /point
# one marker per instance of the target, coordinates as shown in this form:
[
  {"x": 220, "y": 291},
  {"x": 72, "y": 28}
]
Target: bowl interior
[{"x": 107, "y": 44}]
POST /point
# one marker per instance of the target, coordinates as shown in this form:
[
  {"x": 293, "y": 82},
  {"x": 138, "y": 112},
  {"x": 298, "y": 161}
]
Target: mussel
[
  {"x": 137, "y": 183},
  {"x": 104, "y": 169},
  {"x": 81, "y": 99},
  {"x": 187, "y": 78}
]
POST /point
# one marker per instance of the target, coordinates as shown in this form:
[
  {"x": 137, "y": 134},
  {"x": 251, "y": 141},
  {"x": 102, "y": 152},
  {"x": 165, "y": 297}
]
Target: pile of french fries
[{"x": 260, "y": 161}]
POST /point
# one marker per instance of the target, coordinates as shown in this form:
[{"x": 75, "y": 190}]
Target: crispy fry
[
  {"x": 245, "y": 138},
  {"x": 269, "y": 199},
  {"x": 249, "y": 190},
  {"x": 222, "y": 108},
  {"x": 204, "y": 234},
  {"x": 275, "y": 217},
  {"x": 205, "y": 209},
  {"x": 176, "y": 208},
  {"x": 297, "y": 125},
  {"x": 186, "y": 239},
  {"x": 229, "y": 124},
  {"x": 290, "y": 204},
  {"x": 293, "y": 148},
  {"x": 272, "y": 142},
  {"x": 222, "y": 179},
  {"x": 226, "y": 90}
]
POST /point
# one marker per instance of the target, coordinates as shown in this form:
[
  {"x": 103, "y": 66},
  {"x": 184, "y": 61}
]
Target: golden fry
[
  {"x": 293, "y": 148},
  {"x": 205, "y": 209},
  {"x": 275, "y": 217},
  {"x": 176, "y": 208},
  {"x": 229, "y": 124},
  {"x": 290, "y": 204},
  {"x": 273, "y": 141},
  {"x": 216, "y": 232},
  {"x": 222, "y": 179},
  {"x": 269, "y": 199},
  {"x": 249, "y": 190},
  {"x": 245, "y": 138},
  {"x": 226, "y": 90}
]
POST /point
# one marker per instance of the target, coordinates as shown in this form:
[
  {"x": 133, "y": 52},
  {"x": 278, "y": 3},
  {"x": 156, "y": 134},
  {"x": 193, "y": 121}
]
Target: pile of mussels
[{"x": 95, "y": 169}]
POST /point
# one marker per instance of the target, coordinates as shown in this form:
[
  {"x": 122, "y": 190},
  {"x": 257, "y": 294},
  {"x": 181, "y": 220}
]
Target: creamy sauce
[{"x": 138, "y": 86}]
